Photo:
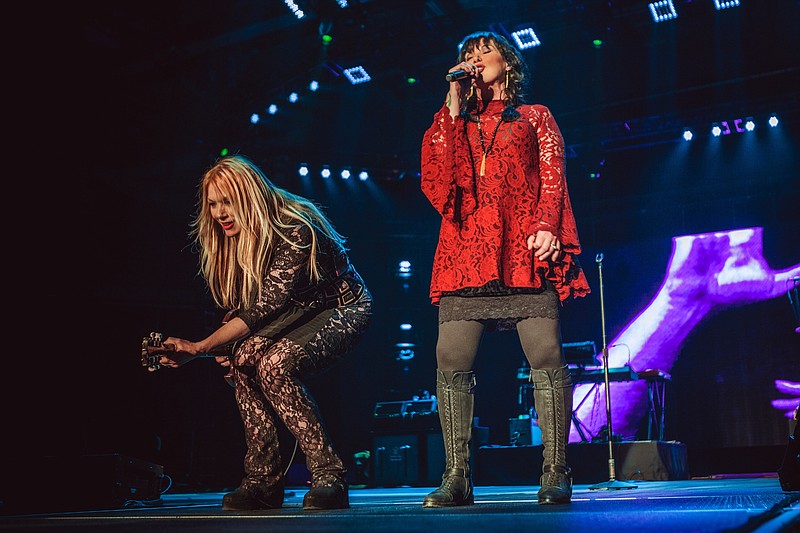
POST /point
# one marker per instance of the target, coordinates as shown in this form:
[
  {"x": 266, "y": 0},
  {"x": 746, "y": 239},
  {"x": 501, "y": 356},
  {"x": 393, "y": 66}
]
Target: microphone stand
[{"x": 612, "y": 483}]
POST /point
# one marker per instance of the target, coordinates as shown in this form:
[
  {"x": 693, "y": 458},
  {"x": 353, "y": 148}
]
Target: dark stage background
[{"x": 147, "y": 94}]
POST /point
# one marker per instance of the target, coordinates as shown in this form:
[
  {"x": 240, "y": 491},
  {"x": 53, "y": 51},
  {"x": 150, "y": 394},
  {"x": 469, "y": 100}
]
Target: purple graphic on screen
[{"x": 706, "y": 272}]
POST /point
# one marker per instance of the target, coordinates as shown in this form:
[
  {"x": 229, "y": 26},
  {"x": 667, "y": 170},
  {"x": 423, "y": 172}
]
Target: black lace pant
[{"x": 268, "y": 376}]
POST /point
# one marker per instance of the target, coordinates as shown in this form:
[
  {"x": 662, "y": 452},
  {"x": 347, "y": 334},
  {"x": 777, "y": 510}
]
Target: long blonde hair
[{"x": 234, "y": 267}]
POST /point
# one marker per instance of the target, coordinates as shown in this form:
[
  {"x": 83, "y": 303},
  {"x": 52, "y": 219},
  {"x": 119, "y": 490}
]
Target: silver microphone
[{"x": 456, "y": 75}]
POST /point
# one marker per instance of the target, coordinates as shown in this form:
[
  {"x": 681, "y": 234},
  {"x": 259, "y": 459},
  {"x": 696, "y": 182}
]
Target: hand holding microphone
[{"x": 467, "y": 70}]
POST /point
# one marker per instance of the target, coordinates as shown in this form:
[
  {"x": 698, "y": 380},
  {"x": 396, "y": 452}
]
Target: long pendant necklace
[{"x": 484, "y": 149}]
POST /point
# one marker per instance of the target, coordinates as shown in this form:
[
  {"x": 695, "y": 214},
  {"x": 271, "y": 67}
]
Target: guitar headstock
[{"x": 152, "y": 348}]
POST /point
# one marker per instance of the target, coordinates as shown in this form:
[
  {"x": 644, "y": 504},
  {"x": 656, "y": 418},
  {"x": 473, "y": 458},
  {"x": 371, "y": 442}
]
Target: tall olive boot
[
  {"x": 552, "y": 397},
  {"x": 456, "y": 401}
]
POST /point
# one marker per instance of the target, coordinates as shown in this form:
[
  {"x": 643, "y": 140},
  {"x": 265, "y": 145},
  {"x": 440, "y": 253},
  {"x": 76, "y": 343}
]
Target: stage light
[
  {"x": 597, "y": 43},
  {"x": 662, "y": 10},
  {"x": 773, "y": 121},
  {"x": 405, "y": 340},
  {"x": 526, "y": 38},
  {"x": 325, "y": 31},
  {"x": 356, "y": 75},
  {"x": 411, "y": 80},
  {"x": 725, "y": 4},
  {"x": 363, "y": 175},
  {"x": 404, "y": 269},
  {"x": 313, "y": 86},
  {"x": 303, "y": 169},
  {"x": 345, "y": 174},
  {"x": 687, "y": 135},
  {"x": 342, "y": 3},
  {"x": 223, "y": 152},
  {"x": 254, "y": 118},
  {"x": 325, "y": 172},
  {"x": 721, "y": 128},
  {"x": 405, "y": 354},
  {"x": 272, "y": 109},
  {"x": 293, "y": 97},
  {"x": 295, "y": 8},
  {"x": 749, "y": 124}
]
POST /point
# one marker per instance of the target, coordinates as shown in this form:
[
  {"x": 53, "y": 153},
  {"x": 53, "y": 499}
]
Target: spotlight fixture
[
  {"x": 749, "y": 124},
  {"x": 345, "y": 174},
  {"x": 662, "y": 10},
  {"x": 325, "y": 172},
  {"x": 405, "y": 342},
  {"x": 773, "y": 121},
  {"x": 302, "y": 169},
  {"x": 404, "y": 269},
  {"x": 293, "y": 97},
  {"x": 687, "y": 135},
  {"x": 405, "y": 354},
  {"x": 716, "y": 130},
  {"x": 356, "y": 75},
  {"x": 295, "y": 8},
  {"x": 272, "y": 109},
  {"x": 363, "y": 175},
  {"x": 313, "y": 86},
  {"x": 725, "y": 4},
  {"x": 526, "y": 38},
  {"x": 255, "y": 118}
]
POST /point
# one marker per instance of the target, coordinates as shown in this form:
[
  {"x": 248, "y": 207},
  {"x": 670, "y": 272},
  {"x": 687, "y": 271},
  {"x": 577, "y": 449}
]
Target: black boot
[
  {"x": 456, "y": 401},
  {"x": 552, "y": 396},
  {"x": 254, "y": 498},
  {"x": 328, "y": 488},
  {"x": 329, "y": 492}
]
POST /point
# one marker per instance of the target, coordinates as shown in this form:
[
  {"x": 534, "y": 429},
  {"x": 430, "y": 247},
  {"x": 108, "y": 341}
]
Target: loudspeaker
[
  {"x": 635, "y": 461},
  {"x": 85, "y": 482},
  {"x": 789, "y": 472},
  {"x": 415, "y": 459},
  {"x": 524, "y": 431}
]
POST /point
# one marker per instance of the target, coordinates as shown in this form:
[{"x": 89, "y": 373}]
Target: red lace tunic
[{"x": 486, "y": 220}]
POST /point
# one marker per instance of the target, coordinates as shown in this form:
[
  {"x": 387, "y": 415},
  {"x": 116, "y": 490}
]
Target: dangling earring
[
  {"x": 471, "y": 92},
  {"x": 506, "y": 82}
]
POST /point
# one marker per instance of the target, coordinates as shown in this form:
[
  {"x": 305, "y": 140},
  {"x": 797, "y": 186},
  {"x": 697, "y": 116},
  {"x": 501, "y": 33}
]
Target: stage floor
[{"x": 743, "y": 504}]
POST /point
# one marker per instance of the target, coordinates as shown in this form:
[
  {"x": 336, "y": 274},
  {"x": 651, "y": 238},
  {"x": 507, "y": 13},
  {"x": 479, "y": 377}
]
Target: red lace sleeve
[
  {"x": 552, "y": 191},
  {"x": 438, "y": 164}
]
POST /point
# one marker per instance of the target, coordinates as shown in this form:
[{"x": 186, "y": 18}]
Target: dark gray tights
[{"x": 458, "y": 343}]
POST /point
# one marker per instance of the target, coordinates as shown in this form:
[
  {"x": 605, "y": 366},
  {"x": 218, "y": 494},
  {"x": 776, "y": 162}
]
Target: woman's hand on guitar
[
  {"x": 178, "y": 352},
  {"x": 223, "y": 360}
]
